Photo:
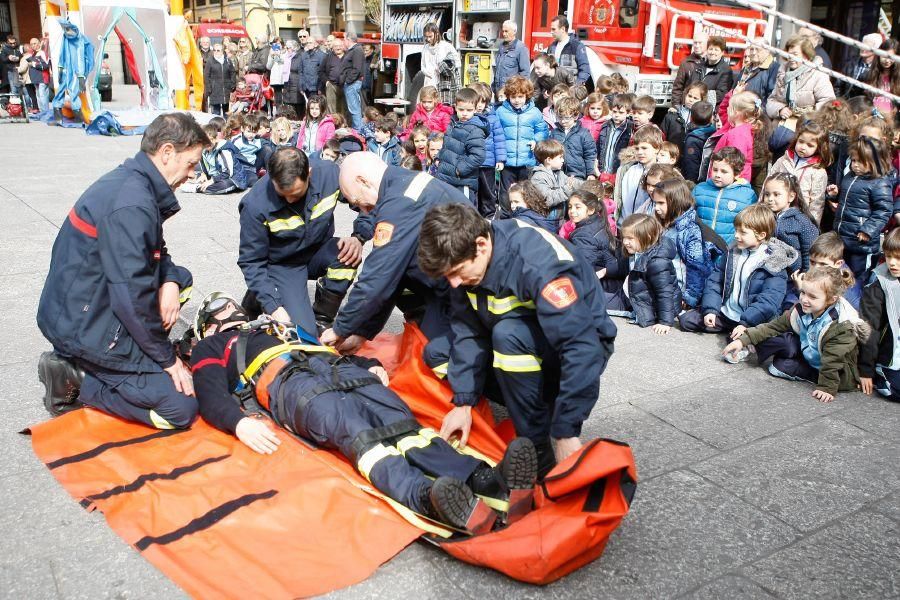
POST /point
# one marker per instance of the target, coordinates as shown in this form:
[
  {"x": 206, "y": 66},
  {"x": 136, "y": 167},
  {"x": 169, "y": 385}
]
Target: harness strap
[{"x": 368, "y": 438}]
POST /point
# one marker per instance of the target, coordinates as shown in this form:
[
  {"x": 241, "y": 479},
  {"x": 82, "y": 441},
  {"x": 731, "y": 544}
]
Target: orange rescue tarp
[{"x": 223, "y": 521}]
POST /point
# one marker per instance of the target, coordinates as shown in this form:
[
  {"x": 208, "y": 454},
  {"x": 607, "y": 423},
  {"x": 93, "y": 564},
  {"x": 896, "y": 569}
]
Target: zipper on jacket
[
  {"x": 716, "y": 209},
  {"x": 844, "y": 205},
  {"x": 115, "y": 339}
]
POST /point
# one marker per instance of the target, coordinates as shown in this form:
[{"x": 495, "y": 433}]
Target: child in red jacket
[
  {"x": 429, "y": 112},
  {"x": 741, "y": 110}
]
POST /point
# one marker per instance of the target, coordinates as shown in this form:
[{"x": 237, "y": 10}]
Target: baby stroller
[{"x": 260, "y": 92}]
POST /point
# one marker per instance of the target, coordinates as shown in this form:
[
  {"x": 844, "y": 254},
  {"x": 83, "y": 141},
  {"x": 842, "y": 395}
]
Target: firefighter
[
  {"x": 287, "y": 237},
  {"x": 341, "y": 402},
  {"x": 113, "y": 291},
  {"x": 525, "y": 305},
  {"x": 397, "y": 200}
]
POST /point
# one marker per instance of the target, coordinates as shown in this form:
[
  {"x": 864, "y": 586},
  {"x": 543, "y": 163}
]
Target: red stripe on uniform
[
  {"x": 82, "y": 225},
  {"x": 221, "y": 362}
]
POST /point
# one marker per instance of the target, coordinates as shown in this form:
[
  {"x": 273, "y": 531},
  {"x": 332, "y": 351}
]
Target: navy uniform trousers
[{"x": 399, "y": 466}]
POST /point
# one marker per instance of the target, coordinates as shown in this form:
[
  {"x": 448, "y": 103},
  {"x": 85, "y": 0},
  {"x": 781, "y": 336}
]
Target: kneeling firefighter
[{"x": 342, "y": 402}]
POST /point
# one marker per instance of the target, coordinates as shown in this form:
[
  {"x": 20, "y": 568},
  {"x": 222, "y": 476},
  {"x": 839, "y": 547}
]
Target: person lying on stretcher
[{"x": 342, "y": 402}]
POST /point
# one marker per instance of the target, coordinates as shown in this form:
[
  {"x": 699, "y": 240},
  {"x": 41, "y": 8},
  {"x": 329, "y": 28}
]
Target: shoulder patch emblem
[
  {"x": 383, "y": 233},
  {"x": 560, "y": 292}
]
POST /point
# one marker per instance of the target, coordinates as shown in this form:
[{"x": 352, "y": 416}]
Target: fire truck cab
[{"x": 641, "y": 40}]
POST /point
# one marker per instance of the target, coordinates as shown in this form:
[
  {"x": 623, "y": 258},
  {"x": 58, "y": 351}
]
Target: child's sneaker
[
  {"x": 776, "y": 372},
  {"x": 737, "y": 357}
]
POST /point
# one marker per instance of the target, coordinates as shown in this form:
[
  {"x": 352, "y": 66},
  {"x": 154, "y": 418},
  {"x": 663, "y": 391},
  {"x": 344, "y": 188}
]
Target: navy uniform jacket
[
  {"x": 534, "y": 274},
  {"x": 276, "y": 232},
  {"x": 100, "y": 302},
  {"x": 403, "y": 199}
]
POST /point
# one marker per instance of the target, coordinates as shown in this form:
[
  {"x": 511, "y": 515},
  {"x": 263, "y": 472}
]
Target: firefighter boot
[
  {"x": 509, "y": 486},
  {"x": 452, "y": 502},
  {"x": 62, "y": 381},
  {"x": 325, "y": 307}
]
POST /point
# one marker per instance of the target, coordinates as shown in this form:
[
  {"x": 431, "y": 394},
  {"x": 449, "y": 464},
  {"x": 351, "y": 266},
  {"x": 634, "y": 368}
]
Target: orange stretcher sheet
[{"x": 224, "y": 522}]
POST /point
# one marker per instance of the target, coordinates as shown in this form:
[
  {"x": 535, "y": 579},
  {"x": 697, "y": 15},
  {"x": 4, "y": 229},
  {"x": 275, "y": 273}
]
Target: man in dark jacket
[
  {"x": 759, "y": 73},
  {"x": 567, "y": 49},
  {"x": 512, "y": 57},
  {"x": 463, "y": 151},
  {"x": 9, "y": 63},
  {"x": 113, "y": 291},
  {"x": 715, "y": 70},
  {"x": 260, "y": 57},
  {"x": 353, "y": 67},
  {"x": 330, "y": 75},
  {"x": 859, "y": 68},
  {"x": 397, "y": 200},
  {"x": 527, "y": 311},
  {"x": 687, "y": 66}
]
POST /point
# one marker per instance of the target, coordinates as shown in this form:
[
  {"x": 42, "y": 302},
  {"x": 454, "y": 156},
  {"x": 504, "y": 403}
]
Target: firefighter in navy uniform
[
  {"x": 525, "y": 306},
  {"x": 397, "y": 200},
  {"x": 113, "y": 291},
  {"x": 287, "y": 229},
  {"x": 341, "y": 402}
]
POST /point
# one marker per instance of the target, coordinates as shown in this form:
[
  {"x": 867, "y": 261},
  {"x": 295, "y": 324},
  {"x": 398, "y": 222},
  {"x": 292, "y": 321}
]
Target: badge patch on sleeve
[
  {"x": 560, "y": 292},
  {"x": 383, "y": 233}
]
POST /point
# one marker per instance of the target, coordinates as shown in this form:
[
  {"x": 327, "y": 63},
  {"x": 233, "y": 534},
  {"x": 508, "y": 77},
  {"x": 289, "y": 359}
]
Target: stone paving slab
[{"x": 749, "y": 489}]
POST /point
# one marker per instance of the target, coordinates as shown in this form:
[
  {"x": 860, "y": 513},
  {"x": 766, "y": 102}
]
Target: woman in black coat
[
  {"x": 291, "y": 94},
  {"x": 218, "y": 81}
]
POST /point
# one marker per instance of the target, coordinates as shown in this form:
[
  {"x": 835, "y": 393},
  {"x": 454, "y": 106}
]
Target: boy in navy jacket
[
  {"x": 579, "y": 146},
  {"x": 385, "y": 144},
  {"x": 699, "y": 130},
  {"x": 459, "y": 161},
  {"x": 615, "y": 135}
]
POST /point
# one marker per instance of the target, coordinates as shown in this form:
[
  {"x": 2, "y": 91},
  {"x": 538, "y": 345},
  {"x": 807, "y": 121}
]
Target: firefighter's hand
[
  {"x": 330, "y": 338},
  {"x": 458, "y": 419},
  {"x": 350, "y": 251},
  {"x": 351, "y": 344},
  {"x": 169, "y": 306},
  {"x": 565, "y": 447},
  {"x": 281, "y": 315},
  {"x": 257, "y": 435},
  {"x": 866, "y": 385},
  {"x": 181, "y": 377},
  {"x": 381, "y": 374}
]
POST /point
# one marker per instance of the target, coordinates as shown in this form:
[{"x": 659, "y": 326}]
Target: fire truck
[{"x": 637, "y": 38}]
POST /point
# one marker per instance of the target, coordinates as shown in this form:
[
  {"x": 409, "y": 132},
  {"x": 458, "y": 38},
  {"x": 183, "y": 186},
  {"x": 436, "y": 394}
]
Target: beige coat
[
  {"x": 811, "y": 91},
  {"x": 813, "y": 179}
]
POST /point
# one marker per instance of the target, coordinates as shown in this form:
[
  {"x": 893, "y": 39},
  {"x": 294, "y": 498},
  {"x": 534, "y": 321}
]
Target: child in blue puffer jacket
[
  {"x": 494, "y": 152},
  {"x": 694, "y": 259},
  {"x": 523, "y": 126},
  {"x": 721, "y": 197}
]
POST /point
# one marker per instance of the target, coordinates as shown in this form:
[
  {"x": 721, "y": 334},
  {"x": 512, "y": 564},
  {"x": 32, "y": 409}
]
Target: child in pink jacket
[{"x": 738, "y": 112}]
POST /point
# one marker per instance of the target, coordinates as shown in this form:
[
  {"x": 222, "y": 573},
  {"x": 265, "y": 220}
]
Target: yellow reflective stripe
[
  {"x": 500, "y": 306},
  {"x": 495, "y": 503},
  {"x": 417, "y": 186},
  {"x": 159, "y": 422},
  {"x": 284, "y": 224},
  {"x": 338, "y": 274},
  {"x": 185, "y": 294},
  {"x": 266, "y": 355},
  {"x": 470, "y": 451},
  {"x": 441, "y": 370},
  {"x": 558, "y": 248},
  {"x": 371, "y": 457},
  {"x": 473, "y": 298},
  {"x": 516, "y": 363},
  {"x": 411, "y": 516},
  {"x": 416, "y": 440},
  {"x": 323, "y": 206}
]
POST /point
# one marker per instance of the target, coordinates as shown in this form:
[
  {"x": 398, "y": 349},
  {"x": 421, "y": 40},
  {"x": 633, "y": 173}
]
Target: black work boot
[
  {"x": 325, "y": 307},
  {"x": 453, "y": 503},
  {"x": 62, "y": 381},
  {"x": 509, "y": 487}
]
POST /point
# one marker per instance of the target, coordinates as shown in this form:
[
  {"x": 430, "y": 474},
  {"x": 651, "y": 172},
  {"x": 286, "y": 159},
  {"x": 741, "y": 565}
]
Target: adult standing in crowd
[
  {"x": 885, "y": 75},
  {"x": 330, "y": 75},
  {"x": 440, "y": 64},
  {"x": 799, "y": 90},
  {"x": 218, "y": 81},
  {"x": 279, "y": 66},
  {"x": 9, "y": 63},
  {"x": 714, "y": 70},
  {"x": 567, "y": 49},
  {"x": 113, "y": 292},
  {"x": 545, "y": 75},
  {"x": 242, "y": 57},
  {"x": 309, "y": 64},
  {"x": 38, "y": 74},
  {"x": 512, "y": 57},
  {"x": 351, "y": 79},
  {"x": 860, "y": 68},
  {"x": 760, "y": 71},
  {"x": 688, "y": 66},
  {"x": 367, "y": 93},
  {"x": 821, "y": 57},
  {"x": 205, "y": 47},
  {"x": 259, "y": 58}
]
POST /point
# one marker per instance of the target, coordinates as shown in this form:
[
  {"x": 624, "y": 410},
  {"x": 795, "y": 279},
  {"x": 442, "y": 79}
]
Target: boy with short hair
[
  {"x": 459, "y": 161},
  {"x": 579, "y": 145},
  {"x": 668, "y": 154},
  {"x": 699, "y": 130},
  {"x": 494, "y": 152},
  {"x": 642, "y": 111},
  {"x": 253, "y": 151},
  {"x": 748, "y": 285},
  {"x": 615, "y": 133},
  {"x": 879, "y": 363},
  {"x": 221, "y": 169},
  {"x": 827, "y": 250},
  {"x": 721, "y": 197},
  {"x": 629, "y": 194},
  {"x": 550, "y": 180},
  {"x": 385, "y": 144}
]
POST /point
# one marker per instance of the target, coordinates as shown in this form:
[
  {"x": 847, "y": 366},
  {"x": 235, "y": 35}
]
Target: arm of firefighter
[
  {"x": 172, "y": 272},
  {"x": 126, "y": 247},
  {"x": 253, "y": 259},
  {"x": 394, "y": 245},
  {"x": 470, "y": 351},
  {"x": 209, "y": 361},
  {"x": 567, "y": 322},
  {"x": 364, "y": 226}
]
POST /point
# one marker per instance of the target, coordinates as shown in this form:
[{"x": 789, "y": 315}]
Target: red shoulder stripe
[
  {"x": 82, "y": 225},
  {"x": 221, "y": 362}
]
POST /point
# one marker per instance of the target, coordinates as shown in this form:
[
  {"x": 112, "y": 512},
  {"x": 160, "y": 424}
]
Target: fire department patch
[
  {"x": 383, "y": 233},
  {"x": 157, "y": 254},
  {"x": 560, "y": 292}
]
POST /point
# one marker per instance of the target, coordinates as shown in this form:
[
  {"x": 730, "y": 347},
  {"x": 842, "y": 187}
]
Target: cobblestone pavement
[{"x": 749, "y": 488}]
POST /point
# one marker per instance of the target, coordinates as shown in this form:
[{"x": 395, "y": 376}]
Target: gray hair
[
  {"x": 512, "y": 24},
  {"x": 291, "y": 44}
]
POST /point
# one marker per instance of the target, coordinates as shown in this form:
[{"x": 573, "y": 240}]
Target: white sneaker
[
  {"x": 776, "y": 372},
  {"x": 737, "y": 357}
]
